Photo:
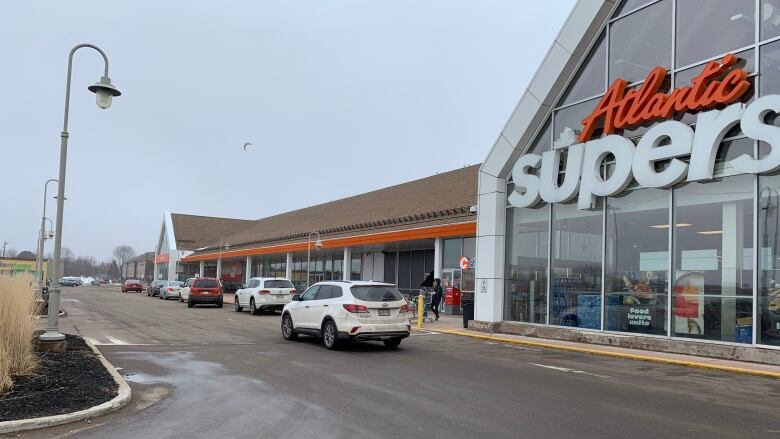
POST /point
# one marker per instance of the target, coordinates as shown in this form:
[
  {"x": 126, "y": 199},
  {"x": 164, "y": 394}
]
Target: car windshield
[
  {"x": 376, "y": 293},
  {"x": 278, "y": 283},
  {"x": 132, "y": 281},
  {"x": 206, "y": 283},
  {"x": 175, "y": 283}
]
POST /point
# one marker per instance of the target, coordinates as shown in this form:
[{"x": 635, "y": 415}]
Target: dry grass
[{"x": 17, "y": 306}]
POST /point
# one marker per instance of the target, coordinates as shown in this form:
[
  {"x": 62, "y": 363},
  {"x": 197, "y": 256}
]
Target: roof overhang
[{"x": 449, "y": 230}]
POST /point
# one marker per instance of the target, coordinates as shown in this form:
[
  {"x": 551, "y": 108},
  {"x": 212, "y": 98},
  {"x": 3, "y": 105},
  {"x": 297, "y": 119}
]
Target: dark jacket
[{"x": 438, "y": 291}]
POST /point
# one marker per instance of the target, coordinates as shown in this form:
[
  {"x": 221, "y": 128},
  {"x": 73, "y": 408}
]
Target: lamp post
[
  {"x": 318, "y": 246},
  {"x": 104, "y": 92},
  {"x": 41, "y": 239},
  {"x": 219, "y": 256}
]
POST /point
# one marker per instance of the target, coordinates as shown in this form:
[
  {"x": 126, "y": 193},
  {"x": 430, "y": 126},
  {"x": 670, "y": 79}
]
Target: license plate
[
  {"x": 384, "y": 312},
  {"x": 279, "y": 296}
]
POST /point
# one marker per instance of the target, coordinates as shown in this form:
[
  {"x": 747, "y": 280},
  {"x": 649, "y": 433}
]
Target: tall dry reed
[{"x": 17, "y": 308}]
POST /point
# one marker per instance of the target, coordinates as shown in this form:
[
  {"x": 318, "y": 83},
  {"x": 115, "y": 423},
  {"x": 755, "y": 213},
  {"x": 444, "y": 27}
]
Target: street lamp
[
  {"x": 226, "y": 246},
  {"x": 41, "y": 239},
  {"x": 318, "y": 246},
  {"x": 105, "y": 91}
]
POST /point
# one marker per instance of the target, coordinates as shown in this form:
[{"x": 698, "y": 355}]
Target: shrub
[{"x": 17, "y": 308}]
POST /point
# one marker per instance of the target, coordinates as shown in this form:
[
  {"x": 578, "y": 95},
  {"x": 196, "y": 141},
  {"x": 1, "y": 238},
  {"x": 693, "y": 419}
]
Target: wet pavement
[{"x": 213, "y": 373}]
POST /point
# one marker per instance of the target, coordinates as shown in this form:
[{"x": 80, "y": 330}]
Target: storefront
[
  {"x": 398, "y": 234},
  {"x": 635, "y": 189}
]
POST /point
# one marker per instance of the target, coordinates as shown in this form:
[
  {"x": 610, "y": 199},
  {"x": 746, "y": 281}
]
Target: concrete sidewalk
[{"x": 741, "y": 367}]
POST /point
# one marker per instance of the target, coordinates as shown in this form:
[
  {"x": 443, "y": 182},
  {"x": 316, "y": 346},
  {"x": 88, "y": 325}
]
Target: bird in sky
[{"x": 247, "y": 144}]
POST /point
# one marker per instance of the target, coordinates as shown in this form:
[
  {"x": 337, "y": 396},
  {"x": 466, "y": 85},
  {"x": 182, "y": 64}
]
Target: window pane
[
  {"x": 389, "y": 275},
  {"x": 637, "y": 258},
  {"x": 591, "y": 78},
  {"x": 576, "y": 267},
  {"x": 770, "y": 18},
  {"x": 770, "y": 62},
  {"x": 527, "y": 245},
  {"x": 641, "y": 41},
  {"x": 452, "y": 253},
  {"x": 357, "y": 264},
  {"x": 706, "y": 28},
  {"x": 629, "y": 5},
  {"x": 712, "y": 297},
  {"x": 768, "y": 326},
  {"x": 568, "y": 123},
  {"x": 542, "y": 141}
]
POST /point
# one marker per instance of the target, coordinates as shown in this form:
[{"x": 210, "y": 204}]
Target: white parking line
[
  {"x": 566, "y": 369},
  {"x": 116, "y": 341}
]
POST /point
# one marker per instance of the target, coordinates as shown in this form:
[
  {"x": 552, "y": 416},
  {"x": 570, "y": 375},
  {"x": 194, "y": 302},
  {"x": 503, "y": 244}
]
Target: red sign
[
  {"x": 162, "y": 259},
  {"x": 621, "y": 109}
]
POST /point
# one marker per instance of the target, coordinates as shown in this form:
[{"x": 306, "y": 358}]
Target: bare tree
[
  {"x": 122, "y": 254},
  {"x": 10, "y": 252}
]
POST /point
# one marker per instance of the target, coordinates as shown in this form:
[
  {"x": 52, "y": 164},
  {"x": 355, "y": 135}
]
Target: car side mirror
[{"x": 296, "y": 298}]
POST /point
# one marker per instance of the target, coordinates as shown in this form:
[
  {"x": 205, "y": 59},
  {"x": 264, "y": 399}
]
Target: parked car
[
  {"x": 153, "y": 289},
  {"x": 132, "y": 285},
  {"x": 184, "y": 290},
  {"x": 70, "y": 281},
  {"x": 96, "y": 282},
  {"x": 345, "y": 311},
  {"x": 264, "y": 294},
  {"x": 170, "y": 289},
  {"x": 231, "y": 287},
  {"x": 201, "y": 290}
]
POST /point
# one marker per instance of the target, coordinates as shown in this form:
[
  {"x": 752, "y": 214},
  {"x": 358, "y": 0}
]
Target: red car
[
  {"x": 132, "y": 285},
  {"x": 201, "y": 290}
]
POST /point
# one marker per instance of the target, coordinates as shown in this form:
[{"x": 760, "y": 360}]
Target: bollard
[{"x": 420, "y": 309}]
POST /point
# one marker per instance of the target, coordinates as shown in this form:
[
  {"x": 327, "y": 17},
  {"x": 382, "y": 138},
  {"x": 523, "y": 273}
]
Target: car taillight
[
  {"x": 356, "y": 308},
  {"x": 194, "y": 290},
  {"x": 292, "y": 292},
  {"x": 404, "y": 308},
  {"x": 265, "y": 292},
  {"x": 170, "y": 290}
]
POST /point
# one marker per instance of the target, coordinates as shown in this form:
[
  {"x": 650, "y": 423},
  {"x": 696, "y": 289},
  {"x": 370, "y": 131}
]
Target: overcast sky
[{"x": 338, "y": 97}]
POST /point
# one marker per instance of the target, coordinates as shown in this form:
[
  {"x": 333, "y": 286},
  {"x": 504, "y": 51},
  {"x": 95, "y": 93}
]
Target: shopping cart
[{"x": 426, "y": 304}]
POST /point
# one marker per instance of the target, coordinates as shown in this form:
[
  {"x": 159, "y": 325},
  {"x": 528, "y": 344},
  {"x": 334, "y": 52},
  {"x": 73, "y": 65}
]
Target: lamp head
[
  {"x": 104, "y": 92},
  {"x": 318, "y": 244},
  {"x": 51, "y": 234}
]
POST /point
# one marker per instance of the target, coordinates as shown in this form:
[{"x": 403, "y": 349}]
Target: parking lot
[{"x": 207, "y": 372}]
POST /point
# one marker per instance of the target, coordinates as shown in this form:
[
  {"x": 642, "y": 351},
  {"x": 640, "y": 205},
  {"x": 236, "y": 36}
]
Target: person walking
[{"x": 436, "y": 299}]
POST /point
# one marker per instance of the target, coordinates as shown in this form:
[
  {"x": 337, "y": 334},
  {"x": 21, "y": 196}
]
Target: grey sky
[{"x": 338, "y": 97}]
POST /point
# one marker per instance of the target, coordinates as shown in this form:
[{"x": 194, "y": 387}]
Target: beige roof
[
  {"x": 195, "y": 231},
  {"x": 436, "y": 200}
]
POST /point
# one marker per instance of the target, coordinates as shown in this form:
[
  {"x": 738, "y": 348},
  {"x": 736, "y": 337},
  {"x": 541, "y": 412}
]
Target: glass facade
[{"x": 694, "y": 261}]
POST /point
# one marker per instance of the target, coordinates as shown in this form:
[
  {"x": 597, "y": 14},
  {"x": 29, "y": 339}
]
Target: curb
[
  {"x": 120, "y": 400},
  {"x": 626, "y": 356}
]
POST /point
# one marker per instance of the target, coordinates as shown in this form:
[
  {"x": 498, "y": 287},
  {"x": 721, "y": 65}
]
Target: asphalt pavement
[{"x": 214, "y": 373}]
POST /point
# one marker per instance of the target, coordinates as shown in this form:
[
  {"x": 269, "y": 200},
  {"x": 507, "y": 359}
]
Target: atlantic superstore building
[
  {"x": 397, "y": 234},
  {"x": 633, "y": 196}
]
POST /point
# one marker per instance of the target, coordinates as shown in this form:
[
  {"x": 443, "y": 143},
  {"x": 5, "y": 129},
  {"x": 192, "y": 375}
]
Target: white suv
[
  {"x": 264, "y": 294},
  {"x": 343, "y": 311}
]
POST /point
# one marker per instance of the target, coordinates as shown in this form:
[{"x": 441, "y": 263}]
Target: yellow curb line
[{"x": 636, "y": 357}]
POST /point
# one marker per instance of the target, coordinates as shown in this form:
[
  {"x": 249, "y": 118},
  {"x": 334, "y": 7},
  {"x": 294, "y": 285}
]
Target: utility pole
[{"x": 5, "y": 243}]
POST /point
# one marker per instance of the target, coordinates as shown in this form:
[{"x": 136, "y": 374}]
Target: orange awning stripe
[{"x": 448, "y": 230}]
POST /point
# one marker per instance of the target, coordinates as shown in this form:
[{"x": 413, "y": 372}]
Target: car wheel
[
  {"x": 330, "y": 335},
  {"x": 189, "y": 303},
  {"x": 288, "y": 331},
  {"x": 392, "y": 343},
  {"x": 236, "y": 306},
  {"x": 219, "y": 304},
  {"x": 252, "y": 308}
]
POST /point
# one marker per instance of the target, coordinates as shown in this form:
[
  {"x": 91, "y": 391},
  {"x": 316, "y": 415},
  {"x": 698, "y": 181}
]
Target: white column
[
  {"x": 731, "y": 262},
  {"x": 347, "y": 263},
  {"x": 202, "y": 268},
  {"x": 219, "y": 268},
  {"x": 491, "y": 231},
  {"x": 289, "y": 267},
  {"x": 438, "y": 255},
  {"x": 248, "y": 269}
]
